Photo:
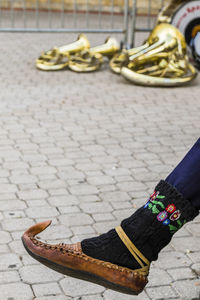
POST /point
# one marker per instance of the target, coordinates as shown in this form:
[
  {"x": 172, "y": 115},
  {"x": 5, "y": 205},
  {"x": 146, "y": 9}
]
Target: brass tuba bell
[
  {"x": 162, "y": 61},
  {"x": 119, "y": 59},
  {"x": 165, "y": 16},
  {"x": 58, "y": 58},
  {"x": 91, "y": 59}
]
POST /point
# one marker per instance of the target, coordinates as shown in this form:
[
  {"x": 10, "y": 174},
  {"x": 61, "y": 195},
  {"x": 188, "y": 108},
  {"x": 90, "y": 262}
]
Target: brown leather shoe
[{"x": 70, "y": 260}]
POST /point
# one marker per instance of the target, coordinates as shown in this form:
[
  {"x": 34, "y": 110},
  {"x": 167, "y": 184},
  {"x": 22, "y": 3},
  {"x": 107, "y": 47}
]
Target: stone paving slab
[{"x": 86, "y": 150}]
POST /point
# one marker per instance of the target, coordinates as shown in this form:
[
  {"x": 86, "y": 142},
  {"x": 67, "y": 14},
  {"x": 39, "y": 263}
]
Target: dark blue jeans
[{"x": 186, "y": 176}]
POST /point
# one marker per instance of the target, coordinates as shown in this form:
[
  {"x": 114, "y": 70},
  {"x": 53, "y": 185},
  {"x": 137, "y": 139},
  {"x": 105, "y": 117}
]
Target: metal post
[
  {"x": 112, "y": 14},
  {"x": 149, "y": 14},
  {"x": 75, "y": 14},
  {"x": 24, "y": 13},
  {"x": 0, "y": 15},
  {"x": 62, "y": 14},
  {"x": 133, "y": 23},
  {"x": 12, "y": 17},
  {"x": 49, "y": 14},
  {"x": 100, "y": 12},
  {"x": 87, "y": 14},
  {"x": 126, "y": 11},
  {"x": 37, "y": 13}
]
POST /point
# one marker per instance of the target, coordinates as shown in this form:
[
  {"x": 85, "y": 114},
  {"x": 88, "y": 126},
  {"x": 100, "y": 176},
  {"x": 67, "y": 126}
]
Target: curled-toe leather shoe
[
  {"x": 143, "y": 235},
  {"x": 70, "y": 260}
]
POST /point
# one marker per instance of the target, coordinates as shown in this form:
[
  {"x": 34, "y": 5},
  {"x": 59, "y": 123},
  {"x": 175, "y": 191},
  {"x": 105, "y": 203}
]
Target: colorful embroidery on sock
[
  {"x": 163, "y": 216},
  {"x": 176, "y": 215},
  {"x": 170, "y": 208}
]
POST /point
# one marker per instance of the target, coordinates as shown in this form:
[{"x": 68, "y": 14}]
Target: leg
[
  {"x": 120, "y": 258},
  {"x": 186, "y": 176}
]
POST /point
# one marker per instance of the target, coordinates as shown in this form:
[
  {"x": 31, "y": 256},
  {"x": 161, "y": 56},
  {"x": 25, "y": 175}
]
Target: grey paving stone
[
  {"x": 116, "y": 196},
  {"x": 32, "y": 194},
  {"x": 14, "y": 214},
  {"x": 194, "y": 228},
  {"x": 46, "y": 289},
  {"x": 194, "y": 256},
  {"x": 161, "y": 292},
  {"x": 9, "y": 261},
  {"x": 172, "y": 259},
  {"x": 17, "y": 224},
  {"x": 196, "y": 269},
  {"x": 103, "y": 227},
  {"x": 155, "y": 277},
  {"x": 42, "y": 212},
  {"x": 4, "y": 249},
  {"x": 112, "y": 295},
  {"x": 96, "y": 207},
  {"x": 38, "y": 274},
  {"x": 17, "y": 247},
  {"x": 187, "y": 289},
  {"x": 123, "y": 213},
  {"x": 62, "y": 200},
  {"x": 83, "y": 189},
  {"x": 107, "y": 188},
  {"x": 68, "y": 209},
  {"x": 7, "y": 188},
  {"x": 181, "y": 244},
  {"x": 82, "y": 229},
  {"x": 56, "y": 232},
  {"x": 28, "y": 260},
  {"x": 131, "y": 186},
  {"x": 100, "y": 180},
  {"x": 18, "y": 291},
  {"x": 84, "y": 288},
  {"x": 39, "y": 202},
  {"x": 50, "y": 184},
  {"x": 12, "y": 205},
  {"x": 9, "y": 276},
  {"x": 77, "y": 219},
  {"x": 92, "y": 297},
  {"x": 57, "y": 297},
  {"x": 103, "y": 217},
  {"x": 4, "y": 237},
  {"x": 122, "y": 205},
  {"x": 182, "y": 273}
]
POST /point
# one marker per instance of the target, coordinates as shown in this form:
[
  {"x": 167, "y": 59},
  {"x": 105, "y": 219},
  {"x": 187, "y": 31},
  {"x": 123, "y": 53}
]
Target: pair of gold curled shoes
[
  {"x": 161, "y": 61},
  {"x": 77, "y": 56}
]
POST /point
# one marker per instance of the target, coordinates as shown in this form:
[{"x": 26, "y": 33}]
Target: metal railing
[
  {"x": 144, "y": 19},
  {"x": 117, "y": 17},
  {"x": 65, "y": 16}
]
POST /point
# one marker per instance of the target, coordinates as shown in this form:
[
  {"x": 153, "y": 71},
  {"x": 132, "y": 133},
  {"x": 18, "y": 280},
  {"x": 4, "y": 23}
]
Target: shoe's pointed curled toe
[{"x": 70, "y": 260}]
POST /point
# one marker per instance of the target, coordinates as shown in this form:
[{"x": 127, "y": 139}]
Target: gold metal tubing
[
  {"x": 91, "y": 60},
  {"x": 147, "y": 80},
  {"x": 119, "y": 59},
  {"x": 163, "y": 62},
  {"x": 57, "y": 58}
]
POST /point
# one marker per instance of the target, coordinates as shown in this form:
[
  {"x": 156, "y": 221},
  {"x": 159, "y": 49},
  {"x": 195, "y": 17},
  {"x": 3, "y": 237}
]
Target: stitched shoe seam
[{"x": 87, "y": 258}]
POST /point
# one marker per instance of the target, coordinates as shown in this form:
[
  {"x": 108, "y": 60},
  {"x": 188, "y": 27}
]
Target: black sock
[
  {"x": 150, "y": 228},
  {"x": 109, "y": 247}
]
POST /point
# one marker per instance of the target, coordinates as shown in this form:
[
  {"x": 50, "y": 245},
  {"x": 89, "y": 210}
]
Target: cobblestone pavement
[{"x": 85, "y": 150}]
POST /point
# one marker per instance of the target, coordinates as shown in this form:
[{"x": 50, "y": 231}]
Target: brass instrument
[
  {"x": 162, "y": 61},
  {"x": 58, "y": 58},
  {"x": 165, "y": 16},
  {"x": 119, "y": 59},
  {"x": 91, "y": 59}
]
